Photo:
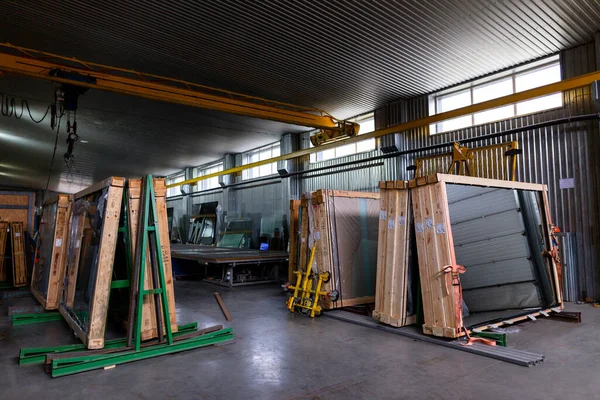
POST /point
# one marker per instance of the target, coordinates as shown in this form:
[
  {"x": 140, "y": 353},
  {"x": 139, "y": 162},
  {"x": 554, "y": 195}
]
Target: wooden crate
[
  {"x": 51, "y": 251},
  {"x": 4, "y": 230},
  {"x": 94, "y": 226},
  {"x": 149, "y": 323},
  {"x": 18, "y": 207},
  {"x": 344, "y": 227},
  {"x": 393, "y": 256},
  {"x": 19, "y": 264},
  {"x": 441, "y": 295},
  {"x": 294, "y": 236}
]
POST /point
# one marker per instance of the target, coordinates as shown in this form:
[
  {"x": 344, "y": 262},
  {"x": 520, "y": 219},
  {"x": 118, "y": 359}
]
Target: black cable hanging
[{"x": 8, "y": 108}]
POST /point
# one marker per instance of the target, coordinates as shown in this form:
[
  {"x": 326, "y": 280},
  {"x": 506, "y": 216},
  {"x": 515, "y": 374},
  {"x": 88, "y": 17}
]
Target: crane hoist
[{"x": 70, "y": 71}]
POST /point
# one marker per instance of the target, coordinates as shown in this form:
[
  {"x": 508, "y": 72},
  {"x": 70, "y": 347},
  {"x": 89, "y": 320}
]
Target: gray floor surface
[{"x": 277, "y": 355}]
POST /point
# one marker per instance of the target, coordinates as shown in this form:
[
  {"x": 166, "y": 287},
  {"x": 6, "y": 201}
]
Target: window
[
  {"x": 210, "y": 183},
  {"x": 546, "y": 72},
  {"x": 175, "y": 191},
  {"x": 367, "y": 124},
  {"x": 260, "y": 154}
]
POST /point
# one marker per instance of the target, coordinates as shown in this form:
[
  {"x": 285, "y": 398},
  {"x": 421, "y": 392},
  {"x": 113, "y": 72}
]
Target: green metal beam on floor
[
  {"x": 69, "y": 366},
  {"x": 37, "y": 355}
]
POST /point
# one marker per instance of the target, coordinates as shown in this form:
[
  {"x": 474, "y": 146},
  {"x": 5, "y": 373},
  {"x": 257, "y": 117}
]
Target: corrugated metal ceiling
[{"x": 346, "y": 57}]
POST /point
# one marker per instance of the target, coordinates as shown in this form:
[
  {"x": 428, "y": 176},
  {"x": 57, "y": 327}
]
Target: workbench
[{"x": 227, "y": 260}]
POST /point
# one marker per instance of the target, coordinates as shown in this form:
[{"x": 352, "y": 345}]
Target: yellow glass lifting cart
[{"x": 305, "y": 300}]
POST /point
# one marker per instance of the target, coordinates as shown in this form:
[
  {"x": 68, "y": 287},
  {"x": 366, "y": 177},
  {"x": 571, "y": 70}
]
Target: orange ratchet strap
[{"x": 454, "y": 272}]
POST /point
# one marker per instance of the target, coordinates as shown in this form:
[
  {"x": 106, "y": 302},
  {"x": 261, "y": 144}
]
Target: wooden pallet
[
  {"x": 84, "y": 234},
  {"x": 393, "y": 253},
  {"x": 18, "y": 207},
  {"x": 51, "y": 251},
  {"x": 19, "y": 264},
  {"x": 3, "y": 235},
  {"x": 442, "y": 300},
  {"x": 344, "y": 227},
  {"x": 149, "y": 323}
]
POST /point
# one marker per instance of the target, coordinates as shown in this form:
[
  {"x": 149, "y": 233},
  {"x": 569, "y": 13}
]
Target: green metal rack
[{"x": 75, "y": 358}]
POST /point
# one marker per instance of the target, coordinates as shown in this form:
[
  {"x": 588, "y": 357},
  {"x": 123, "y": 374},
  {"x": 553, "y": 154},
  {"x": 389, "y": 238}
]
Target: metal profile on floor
[{"x": 513, "y": 356}]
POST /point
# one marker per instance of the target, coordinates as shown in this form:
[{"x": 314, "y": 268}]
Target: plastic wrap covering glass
[
  {"x": 90, "y": 258},
  {"x": 396, "y": 289},
  {"x": 499, "y": 232},
  {"x": 45, "y": 244},
  {"x": 51, "y": 251},
  {"x": 344, "y": 229}
]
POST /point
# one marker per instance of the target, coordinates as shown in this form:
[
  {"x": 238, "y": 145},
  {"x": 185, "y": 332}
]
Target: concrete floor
[{"x": 277, "y": 355}]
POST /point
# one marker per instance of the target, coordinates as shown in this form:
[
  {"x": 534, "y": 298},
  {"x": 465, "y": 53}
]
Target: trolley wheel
[
  {"x": 327, "y": 277},
  {"x": 305, "y": 311}
]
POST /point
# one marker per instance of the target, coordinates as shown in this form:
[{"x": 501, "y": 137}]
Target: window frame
[
  {"x": 513, "y": 74},
  {"x": 257, "y": 172},
  {"x": 171, "y": 179},
  {"x": 206, "y": 170},
  {"x": 314, "y": 157}
]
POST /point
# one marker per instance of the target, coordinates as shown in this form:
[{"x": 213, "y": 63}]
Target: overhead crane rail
[
  {"x": 37, "y": 64},
  {"x": 71, "y": 71}
]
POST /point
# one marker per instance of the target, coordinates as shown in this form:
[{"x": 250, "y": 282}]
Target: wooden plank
[
  {"x": 294, "y": 234},
  {"x": 434, "y": 229},
  {"x": 391, "y": 257},
  {"x": 326, "y": 262},
  {"x": 3, "y": 235},
  {"x": 304, "y": 235},
  {"x": 14, "y": 199},
  {"x": 149, "y": 324},
  {"x": 471, "y": 180},
  {"x": 420, "y": 210},
  {"x": 160, "y": 189},
  {"x": 401, "y": 264},
  {"x": 106, "y": 258},
  {"x": 59, "y": 255},
  {"x": 80, "y": 234},
  {"x": 381, "y": 252},
  {"x": 56, "y": 213},
  {"x": 442, "y": 229},
  {"x": 20, "y": 199},
  {"x": 351, "y": 194},
  {"x": 511, "y": 321},
  {"x": 19, "y": 265},
  {"x": 222, "y": 306},
  {"x": 359, "y": 300},
  {"x": 111, "y": 181},
  {"x": 393, "y": 252},
  {"x": 13, "y": 215}
]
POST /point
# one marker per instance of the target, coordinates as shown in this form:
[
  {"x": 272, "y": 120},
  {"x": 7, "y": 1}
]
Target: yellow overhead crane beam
[
  {"x": 52, "y": 67},
  {"x": 561, "y": 86},
  {"x": 43, "y": 65}
]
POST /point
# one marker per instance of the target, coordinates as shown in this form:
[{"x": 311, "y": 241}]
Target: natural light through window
[
  {"x": 518, "y": 81},
  {"x": 367, "y": 124},
  {"x": 210, "y": 183},
  {"x": 175, "y": 191},
  {"x": 260, "y": 154}
]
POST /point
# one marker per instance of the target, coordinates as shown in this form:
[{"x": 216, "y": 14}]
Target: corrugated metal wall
[
  {"x": 549, "y": 154},
  {"x": 208, "y": 197}
]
